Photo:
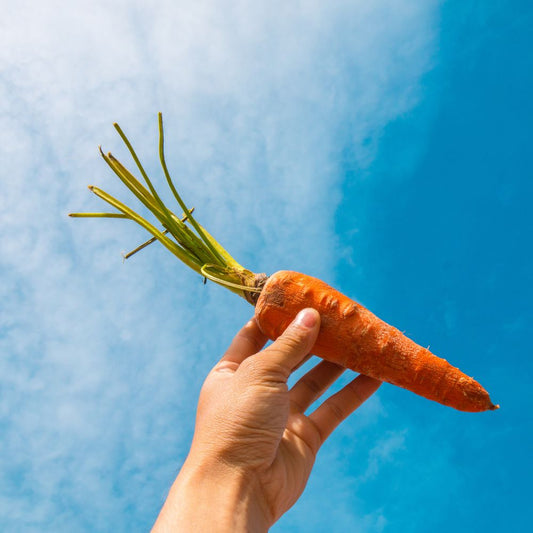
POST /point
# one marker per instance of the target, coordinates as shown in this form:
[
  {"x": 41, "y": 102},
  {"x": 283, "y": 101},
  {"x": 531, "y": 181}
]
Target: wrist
[{"x": 213, "y": 497}]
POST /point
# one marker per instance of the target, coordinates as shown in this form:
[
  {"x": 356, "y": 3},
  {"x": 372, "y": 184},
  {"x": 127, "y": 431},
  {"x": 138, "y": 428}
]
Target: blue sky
[{"x": 382, "y": 146}]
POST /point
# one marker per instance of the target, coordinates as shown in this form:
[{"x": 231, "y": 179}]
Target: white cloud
[{"x": 101, "y": 362}]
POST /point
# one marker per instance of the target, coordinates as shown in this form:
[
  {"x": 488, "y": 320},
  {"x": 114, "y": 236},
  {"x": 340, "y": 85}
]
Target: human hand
[{"x": 254, "y": 447}]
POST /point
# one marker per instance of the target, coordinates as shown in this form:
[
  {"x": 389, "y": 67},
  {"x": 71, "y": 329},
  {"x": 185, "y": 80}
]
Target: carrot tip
[{"x": 494, "y": 407}]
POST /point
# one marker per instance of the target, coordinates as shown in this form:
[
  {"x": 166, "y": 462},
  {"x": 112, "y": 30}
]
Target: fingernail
[{"x": 306, "y": 318}]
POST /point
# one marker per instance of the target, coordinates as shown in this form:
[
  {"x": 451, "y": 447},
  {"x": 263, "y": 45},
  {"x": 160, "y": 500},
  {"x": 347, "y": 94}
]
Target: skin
[{"x": 254, "y": 447}]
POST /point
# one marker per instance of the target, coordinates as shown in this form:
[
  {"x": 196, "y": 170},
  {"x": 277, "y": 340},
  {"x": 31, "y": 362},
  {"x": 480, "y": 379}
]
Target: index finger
[{"x": 248, "y": 341}]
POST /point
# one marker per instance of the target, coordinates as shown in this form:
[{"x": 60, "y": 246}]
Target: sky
[{"x": 381, "y": 146}]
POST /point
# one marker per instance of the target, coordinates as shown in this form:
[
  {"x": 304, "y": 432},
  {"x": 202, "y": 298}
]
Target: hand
[{"x": 253, "y": 447}]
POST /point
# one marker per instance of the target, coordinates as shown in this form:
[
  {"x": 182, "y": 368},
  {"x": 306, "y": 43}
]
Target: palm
[
  {"x": 266, "y": 430},
  {"x": 284, "y": 481}
]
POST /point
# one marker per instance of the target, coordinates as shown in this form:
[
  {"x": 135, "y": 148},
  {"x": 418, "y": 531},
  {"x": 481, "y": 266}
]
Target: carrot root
[{"x": 350, "y": 335}]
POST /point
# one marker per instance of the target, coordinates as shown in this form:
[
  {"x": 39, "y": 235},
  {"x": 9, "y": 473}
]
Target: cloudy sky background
[{"x": 382, "y": 146}]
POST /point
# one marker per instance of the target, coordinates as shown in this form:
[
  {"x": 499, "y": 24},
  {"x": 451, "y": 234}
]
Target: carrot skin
[{"x": 353, "y": 337}]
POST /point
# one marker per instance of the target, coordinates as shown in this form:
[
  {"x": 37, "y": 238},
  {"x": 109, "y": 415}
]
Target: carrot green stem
[
  {"x": 194, "y": 245},
  {"x": 98, "y": 215},
  {"x": 181, "y": 253},
  {"x": 181, "y": 232},
  {"x": 143, "y": 245},
  {"x": 152, "y": 240},
  {"x": 170, "y": 222},
  {"x": 221, "y": 281},
  {"x": 194, "y": 224}
]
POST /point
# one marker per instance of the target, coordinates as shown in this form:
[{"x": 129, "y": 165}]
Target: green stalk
[
  {"x": 131, "y": 182},
  {"x": 194, "y": 224},
  {"x": 169, "y": 222},
  {"x": 194, "y": 246},
  {"x": 98, "y": 215},
  {"x": 181, "y": 253},
  {"x": 180, "y": 231}
]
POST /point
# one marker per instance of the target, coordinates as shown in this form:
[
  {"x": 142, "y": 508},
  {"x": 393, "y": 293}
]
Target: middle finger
[{"x": 313, "y": 384}]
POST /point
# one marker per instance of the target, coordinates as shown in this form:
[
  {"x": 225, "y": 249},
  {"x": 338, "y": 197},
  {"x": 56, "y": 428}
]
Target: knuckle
[
  {"x": 312, "y": 385},
  {"x": 358, "y": 399},
  {"x": 259, "y": 370},
  {"x": 292, "y": 342},
  {"x": 251, "y": 367},
  {"x": 276, "y": 351},
  {"x": 320, "y": 434},
  {"x": 336, "y": 410},
  {"x": 296, "y": 406}
]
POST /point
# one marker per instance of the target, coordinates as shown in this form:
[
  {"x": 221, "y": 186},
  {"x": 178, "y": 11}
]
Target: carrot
[
  {"x": 350, "y": 335},
  {"x": 353, "y": 337}
]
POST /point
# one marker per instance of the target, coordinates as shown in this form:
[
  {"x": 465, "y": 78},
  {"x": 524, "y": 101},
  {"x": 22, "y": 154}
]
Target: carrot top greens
[{"x": 193, "y": 245}]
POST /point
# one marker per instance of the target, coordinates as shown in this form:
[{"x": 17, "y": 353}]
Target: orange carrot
[
  {"x": 353, "y": 337},
  {"x": 350, "y": 335}
]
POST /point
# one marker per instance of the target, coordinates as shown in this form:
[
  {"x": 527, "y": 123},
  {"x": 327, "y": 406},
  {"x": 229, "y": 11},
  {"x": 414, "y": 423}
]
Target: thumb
[{"x": 294, "y": 344}]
